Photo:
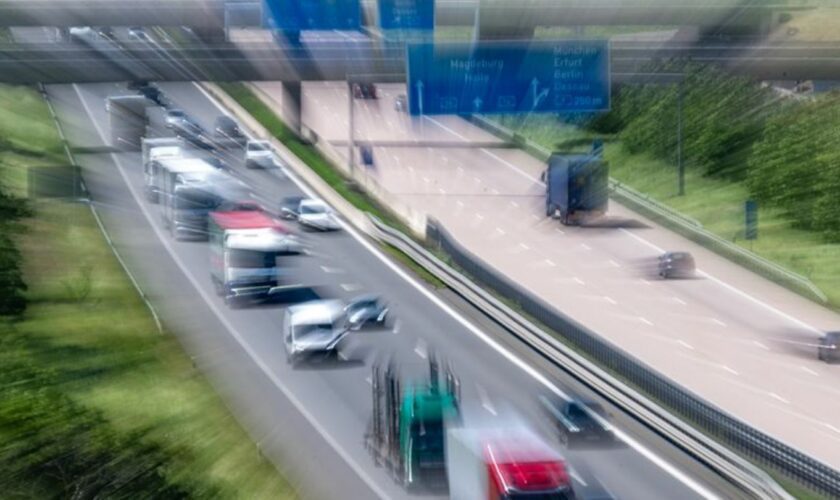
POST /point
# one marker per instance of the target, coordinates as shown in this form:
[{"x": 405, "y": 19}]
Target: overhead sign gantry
[{"x": 508, "y": 77}]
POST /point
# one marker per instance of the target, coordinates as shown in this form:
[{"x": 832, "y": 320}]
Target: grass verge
[
  {"x": 97, "y": 353},
  {"x": 321, "y": 166}
]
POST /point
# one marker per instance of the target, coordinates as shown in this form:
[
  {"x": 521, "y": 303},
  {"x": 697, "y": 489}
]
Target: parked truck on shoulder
[
  {"x": 504, "y": 464},
  {"x": 576, "y": 187}
]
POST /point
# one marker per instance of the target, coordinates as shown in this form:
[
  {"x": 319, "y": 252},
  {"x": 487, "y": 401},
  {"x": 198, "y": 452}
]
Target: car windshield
[
  {"x": 577, "y": 412},
  {"x": 428, "y": 435},
  {"x": 312, "y": 329},
  {"x": 251, "y": 259},
  {"x": 191, "y": 199},
  {"x": 175, "y": 113},
  {"x": 313, "y": 209}
]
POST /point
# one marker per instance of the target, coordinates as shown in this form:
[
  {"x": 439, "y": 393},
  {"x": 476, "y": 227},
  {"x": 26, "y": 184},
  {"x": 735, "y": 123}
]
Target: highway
[
  {"x": 738, "y": 340},
  {"x": 311, "y": 420}
]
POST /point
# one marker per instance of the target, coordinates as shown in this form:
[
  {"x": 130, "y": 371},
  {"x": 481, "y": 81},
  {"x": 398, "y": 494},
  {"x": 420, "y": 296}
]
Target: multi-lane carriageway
[
  {"x": 311, "y": 420},
  {"x": 738, "y": 340}
]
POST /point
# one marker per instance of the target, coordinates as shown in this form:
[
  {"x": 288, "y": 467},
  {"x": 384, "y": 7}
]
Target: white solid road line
[
  {"x": 504, "y": 352},
  {"x": 264, "y": 367}
]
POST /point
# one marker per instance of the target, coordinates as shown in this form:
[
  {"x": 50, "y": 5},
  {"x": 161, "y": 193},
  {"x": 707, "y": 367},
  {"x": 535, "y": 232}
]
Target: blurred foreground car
[
  {"x": 227, "y": 131},
  {"x": 676, "y": 265},
  {"x": 315, "y": 327},
  {"x": 150, "y": 91},
  {"x": 829, "y": 349},
  {"x": 315, "y": 214},
  {"x": 365, "y": 91},
  {"x": 187, "y": 128},
  {"x": 576, "y": 422},
  {"x": 366, "y": 310},
  {"x": 258, "y": 154}
]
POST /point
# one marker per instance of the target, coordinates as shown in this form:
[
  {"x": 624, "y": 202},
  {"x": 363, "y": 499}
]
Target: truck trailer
[
  {"x": 576, "y": 187},
  {"x": 409, "y": 422},
  {"x": 245, "y": 246},
  {"x": 504, "y": 464}
]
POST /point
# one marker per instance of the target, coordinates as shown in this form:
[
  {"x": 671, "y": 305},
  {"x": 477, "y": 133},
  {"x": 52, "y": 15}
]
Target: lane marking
[
  {"x": 685, "y": 344},
  {"x": 252, "y": 353},
  {"x": 719, "y": 322},
  {"x": 585, "y": 246},
  {"x": 646, "y": 282},
  {"x": 776, "y": 396},
  {"x": 614, "y": 263},
  {"x": 485, "y": 400},
  {"x": 560, "y": 230},
  {"x": 645, "y": 320},
  {"x": 610, "y": 300},
  {"x": 459, "y": 203},
  {"x": 479, "y": 216},
  {"x": 332, "y": 270},
  {"x": 350, "y": 287},
  {"x": 759, "y": 344},
  {"x": 550, "y": 262},
  {"x": 810, "y": 371},
  {"x": 679, "y": 300},
  {"x": 524, "y": 246},
  {"x": 535, "y": 216},
  {"x": 577, "y": 477},
  {"x": 397, "y": 325},
  {"x": 421, "y": 349},
  {"x": 578, "y": 280},
  {"x": 500, "y": 230},
  {"x": 647, "y": 453},
  {"x": 514, "y": 204},
  {"x": 730, "y": 370}
]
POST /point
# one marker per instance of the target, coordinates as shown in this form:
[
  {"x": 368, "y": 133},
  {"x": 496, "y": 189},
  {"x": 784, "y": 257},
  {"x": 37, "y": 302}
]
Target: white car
[
  {"x": 318, "y": 215},
  {"x": 79, "y": 33},
  {"x": 258, "y": 154},
  {"x": 315, "y": 327}
]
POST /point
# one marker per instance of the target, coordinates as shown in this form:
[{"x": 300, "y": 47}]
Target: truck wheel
[{"x": 550, "y": 210}]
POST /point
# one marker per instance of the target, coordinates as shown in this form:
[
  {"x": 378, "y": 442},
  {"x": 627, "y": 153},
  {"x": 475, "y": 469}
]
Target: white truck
[
  {"x": 159, "y": 148},
  {"x": 244, "y": 249},
  {"x": 504, "y": 464}
]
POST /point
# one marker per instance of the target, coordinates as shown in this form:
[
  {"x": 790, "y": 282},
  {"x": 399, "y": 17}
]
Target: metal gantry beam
[
  {"x": 64, "y": 63},
  {"x": 731, "y": 15}
]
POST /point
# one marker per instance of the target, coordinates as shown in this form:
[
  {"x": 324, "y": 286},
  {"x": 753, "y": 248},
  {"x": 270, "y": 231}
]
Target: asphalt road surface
[
  {"x": 738, "y": 340},
  {"x": 311, "y": 420}
]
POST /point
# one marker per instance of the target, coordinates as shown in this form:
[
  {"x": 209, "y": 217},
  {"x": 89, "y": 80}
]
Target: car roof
[
  {"x": 313, "y": 202},
  {"x": 317, "y": 311}
]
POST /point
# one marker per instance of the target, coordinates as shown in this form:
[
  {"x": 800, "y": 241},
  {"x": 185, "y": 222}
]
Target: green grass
[
  {"x": 86, "y": 323},
  {"x": 321, "y": 166},
  {"x": 717, "y": 204}
]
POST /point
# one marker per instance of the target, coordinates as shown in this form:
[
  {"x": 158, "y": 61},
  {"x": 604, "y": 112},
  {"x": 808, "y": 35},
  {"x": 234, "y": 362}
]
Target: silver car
[{"x": 315, "y": 327}]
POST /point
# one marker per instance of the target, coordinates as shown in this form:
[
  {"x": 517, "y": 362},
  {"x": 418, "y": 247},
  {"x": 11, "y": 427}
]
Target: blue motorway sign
[
  {"x": 407, "y": 14},
  {"x": 508, "y": 77},
  {"x": 300, "y": 15}
]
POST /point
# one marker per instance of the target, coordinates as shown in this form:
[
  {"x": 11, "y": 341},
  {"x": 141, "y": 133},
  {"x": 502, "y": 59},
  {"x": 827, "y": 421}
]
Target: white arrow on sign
[{"x": 538, "y": 96}]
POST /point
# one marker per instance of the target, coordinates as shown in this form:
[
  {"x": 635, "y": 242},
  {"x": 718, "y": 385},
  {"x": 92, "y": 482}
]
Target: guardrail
[
  {"x": 677, "y": 222},
  {"x": 739, "y": 435},
  {"x": 737, "y": 470}
]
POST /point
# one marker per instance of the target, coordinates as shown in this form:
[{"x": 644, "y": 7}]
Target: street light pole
[
  {"x": 351, "y": 143},
  {"x": 680, "y": 165}
]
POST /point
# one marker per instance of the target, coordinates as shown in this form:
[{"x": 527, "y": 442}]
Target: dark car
[
  {"x": 676, "y": 265},
  {"x": 226, "y": 130},
  {"x": 579, "y": 423},
  {"x": 365, "y": 91},
  {"x": 829, "y": 348},
  {"x": 188, "y": 129},
  {"x": 366, "y": 310},
  {"x": 150, "y": 91}
]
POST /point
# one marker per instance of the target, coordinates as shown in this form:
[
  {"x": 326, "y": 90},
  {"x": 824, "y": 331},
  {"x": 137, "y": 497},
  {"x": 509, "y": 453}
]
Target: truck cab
[
  {"x": 504, "y": 464},
  {"x": 244, "y": 249}
]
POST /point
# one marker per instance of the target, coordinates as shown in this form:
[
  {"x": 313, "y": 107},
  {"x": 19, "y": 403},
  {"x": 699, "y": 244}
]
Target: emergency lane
[
  {"x": 732, "y": 337},
  {"x": 340, "y": 397}
]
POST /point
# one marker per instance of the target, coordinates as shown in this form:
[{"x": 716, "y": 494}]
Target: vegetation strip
[{"x": 93, "y": 402}]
